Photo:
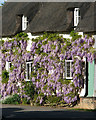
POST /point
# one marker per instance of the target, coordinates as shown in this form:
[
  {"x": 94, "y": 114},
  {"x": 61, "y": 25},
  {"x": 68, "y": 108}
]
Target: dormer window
[
  {"x": 76, "y": 16},
  {"x": 24, "y": 23}
]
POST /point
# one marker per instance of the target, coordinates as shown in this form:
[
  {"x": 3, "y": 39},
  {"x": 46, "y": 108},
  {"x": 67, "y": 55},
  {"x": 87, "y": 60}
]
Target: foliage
[
  {"x": 1, "y": 4},
  {"x": 14, "y": 51},
  {"x": 48, "y": 54},
  {"x": 53, "y": 99},
  {"x": 75, "y": 35},
  {"x": 25, "y": 100},
  {"x": 15, "y": 99},
  {"x": 29, "y": 91},
  {"x": 5, "y": 76}
]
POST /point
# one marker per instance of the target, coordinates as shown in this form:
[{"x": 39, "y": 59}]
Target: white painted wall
[
  {"x": 80, "y": 33},
  {"x": 66, "y": 36},
  {"x": 30, "y": 36},
  {"x": 5, "y": 39}
]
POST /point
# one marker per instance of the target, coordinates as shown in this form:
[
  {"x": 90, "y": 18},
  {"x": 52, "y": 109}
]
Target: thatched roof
[
  {"x": 10, "y": 12},
  {"x": 56, "y": 17},
  {"x": 87, "y": 24},
  {"x": 46, "y": 17}
]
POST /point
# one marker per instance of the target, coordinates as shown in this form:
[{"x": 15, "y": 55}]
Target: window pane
[
  {"x": 68, "y": 69},
  {"x": 31, "y": 67},
  {"x": 76, "y": 16},
  {"x": 25, "y": 19},
  {"x": 30, "y": 70},
  {"x": 24, "y": 23},
  {"x": 76, "y": 12},
  {"x": 9, "y": 65},
  {"x": 27, "y": 71},
  {"x": 68, "y": 65},
  {"x": 79, "y": 12},
  {"x": 68, "y": 74},
  {"x": 76, "y": 20}
]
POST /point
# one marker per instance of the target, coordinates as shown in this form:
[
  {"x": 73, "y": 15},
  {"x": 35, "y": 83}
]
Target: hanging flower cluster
[
  {"x": 14, "y": 51},
  {"x": 48, "y": 54}
]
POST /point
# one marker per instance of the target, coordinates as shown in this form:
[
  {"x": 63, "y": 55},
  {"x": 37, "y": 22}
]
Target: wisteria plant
[{"x": 48, "y": 54}]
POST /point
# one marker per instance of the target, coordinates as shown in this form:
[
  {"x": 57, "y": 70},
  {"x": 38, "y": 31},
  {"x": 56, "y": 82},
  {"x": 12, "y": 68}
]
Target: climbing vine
[{"x": 48, "y": 54}]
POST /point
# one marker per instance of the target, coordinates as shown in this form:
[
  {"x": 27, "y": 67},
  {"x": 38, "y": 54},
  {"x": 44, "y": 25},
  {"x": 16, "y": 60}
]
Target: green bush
[
  {"x": 5, "y": 76},
  {"x": 53, "y": 99},
  {"x": 30, "y": 91},
  {"x": 25, "y": 101},
  {"x": 15, "y": 99}
]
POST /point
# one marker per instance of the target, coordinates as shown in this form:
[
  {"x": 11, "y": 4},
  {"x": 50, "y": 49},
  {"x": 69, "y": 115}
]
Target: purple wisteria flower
[{"x": 52, "y": 62}]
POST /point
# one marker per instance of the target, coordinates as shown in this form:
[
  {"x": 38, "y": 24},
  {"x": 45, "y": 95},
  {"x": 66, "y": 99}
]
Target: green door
[{"x": 90, "y": 79}]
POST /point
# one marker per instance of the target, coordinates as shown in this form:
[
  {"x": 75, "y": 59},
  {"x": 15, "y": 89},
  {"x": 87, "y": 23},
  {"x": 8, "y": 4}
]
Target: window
[
  {"x": 28, "y": 70},
  {"x": 76, "y": 16},
  {"x": 8, "y": 66},
  {"x": 68, "y": 66},
  {"x": 24, "y": 22}
]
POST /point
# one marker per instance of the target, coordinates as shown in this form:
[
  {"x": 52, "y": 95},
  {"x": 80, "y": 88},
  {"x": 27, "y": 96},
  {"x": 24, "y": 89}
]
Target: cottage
[{"x": 37, "y": 18}]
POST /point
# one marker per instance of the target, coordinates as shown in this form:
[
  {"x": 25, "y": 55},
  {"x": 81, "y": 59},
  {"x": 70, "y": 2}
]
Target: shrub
[
  {"x": 25, "y": 101},
  {"x": 29, "y": 89},
  {"x": 29, "y": 92},
  {"x": 53, "y": 99},
  {"x": 15, "y": 99}
]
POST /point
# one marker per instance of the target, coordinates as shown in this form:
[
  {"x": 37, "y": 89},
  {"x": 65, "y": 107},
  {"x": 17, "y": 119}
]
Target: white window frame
[
  {"x": 30, "y": 70},
  {"x": 8, "y": 64},
  {"x": 70, "y": 69},
  {"x": 24, "y": 23},
  {"x": 76, "y": 16}
]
